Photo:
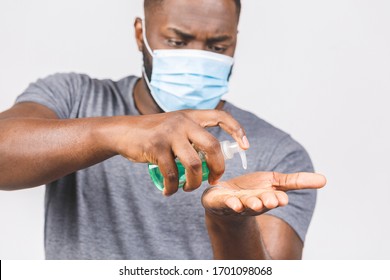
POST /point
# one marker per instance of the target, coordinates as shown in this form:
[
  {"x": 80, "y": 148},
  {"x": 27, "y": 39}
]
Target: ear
[{"x": 138, "y": 33}]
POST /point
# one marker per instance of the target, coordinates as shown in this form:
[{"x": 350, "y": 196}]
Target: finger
[
  {"x": 269, "y": 199},
  {"x": 282, "y": 198},
  {"x": 218, "y": 198},
  {"x": 168, "y": 169},
  {"x": 191, "y": 162},
  {"x": 235, "y": 204},
  {"x": 211, "y": 148},
  {"x": 207, "y": 118},
  {"x": 253, "y": 203},
  {"x": 297, "y": 181}
]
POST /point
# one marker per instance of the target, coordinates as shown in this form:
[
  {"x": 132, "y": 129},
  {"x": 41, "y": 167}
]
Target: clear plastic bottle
[{"x": 228, "y": 151}]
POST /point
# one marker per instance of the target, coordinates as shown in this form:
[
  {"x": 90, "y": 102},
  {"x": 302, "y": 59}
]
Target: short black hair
[{"x": 148, "y": 4}]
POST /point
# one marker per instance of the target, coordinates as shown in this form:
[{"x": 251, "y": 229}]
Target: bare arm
[
  {"x": 235, "y": 219},
  {"x": 36, "y": 147}
]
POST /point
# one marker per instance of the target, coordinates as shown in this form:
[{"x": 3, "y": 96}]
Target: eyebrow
[
  {"x": 220, "y": 38},
  {"x": 188, "y": 36},
  {"x": 182, "y": 34}
]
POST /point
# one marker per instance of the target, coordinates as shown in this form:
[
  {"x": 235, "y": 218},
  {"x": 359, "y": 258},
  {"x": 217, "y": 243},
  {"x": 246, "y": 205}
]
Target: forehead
[{"x": 206, "y": 15}]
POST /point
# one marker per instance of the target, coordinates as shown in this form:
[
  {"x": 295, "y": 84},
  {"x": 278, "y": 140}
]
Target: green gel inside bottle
[
  {"x": 228, "y": 150},
  {"x": 158, "y": 178}
]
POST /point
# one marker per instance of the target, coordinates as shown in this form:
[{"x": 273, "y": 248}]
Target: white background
[{"x": 319, "y": 70}]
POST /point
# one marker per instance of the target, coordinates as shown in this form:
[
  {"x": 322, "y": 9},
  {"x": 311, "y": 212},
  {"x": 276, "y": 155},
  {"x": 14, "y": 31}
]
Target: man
[{"x": 77, "y": 135}]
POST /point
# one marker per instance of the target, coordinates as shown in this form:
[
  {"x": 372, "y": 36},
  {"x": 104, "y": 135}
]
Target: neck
[{"x": 143, "y": 100}]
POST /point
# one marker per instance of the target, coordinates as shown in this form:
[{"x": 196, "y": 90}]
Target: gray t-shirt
[{"x": 112, "y": 210}]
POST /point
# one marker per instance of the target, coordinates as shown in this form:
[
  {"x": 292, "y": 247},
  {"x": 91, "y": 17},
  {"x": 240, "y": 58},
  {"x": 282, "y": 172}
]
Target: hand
[
  {"x": 255, "y": 193},
  {"x": 160, "y": 138}
]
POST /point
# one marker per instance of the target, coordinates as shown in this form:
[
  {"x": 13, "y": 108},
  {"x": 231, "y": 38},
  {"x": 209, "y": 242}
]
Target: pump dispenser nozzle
[{"x": 231, "y": 148}]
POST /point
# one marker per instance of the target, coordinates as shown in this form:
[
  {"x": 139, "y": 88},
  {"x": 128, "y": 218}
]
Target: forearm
[
  {"x": 38, "y": 151},
  {"x": 235, "y": 237}
]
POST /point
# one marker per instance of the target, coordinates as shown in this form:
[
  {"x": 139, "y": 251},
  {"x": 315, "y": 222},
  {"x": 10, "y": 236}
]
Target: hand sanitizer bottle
[{"x": 228, "y": 151}]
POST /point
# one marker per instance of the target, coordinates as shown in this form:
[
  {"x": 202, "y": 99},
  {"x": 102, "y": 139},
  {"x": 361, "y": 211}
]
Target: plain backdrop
[{"x": 319, "y": 70}]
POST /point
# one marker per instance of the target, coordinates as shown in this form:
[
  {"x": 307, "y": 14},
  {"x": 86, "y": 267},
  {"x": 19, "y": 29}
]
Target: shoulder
[
  {"x": 78, "y": 80},
  {"x": 73, "y": 86},
  {"x": 72, "y": 94}
]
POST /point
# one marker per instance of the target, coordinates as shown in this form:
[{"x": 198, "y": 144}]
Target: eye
[
  {"x": 176, "y": 43},
  {"x": 217, "y": 49}
]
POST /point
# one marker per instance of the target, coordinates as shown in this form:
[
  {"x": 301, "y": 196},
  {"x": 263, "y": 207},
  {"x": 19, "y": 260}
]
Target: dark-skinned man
[{"x": 85, "y": 139}]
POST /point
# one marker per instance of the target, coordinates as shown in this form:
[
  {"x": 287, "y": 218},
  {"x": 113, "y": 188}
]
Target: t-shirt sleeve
[
  {"x": 59, "y": 92},
  {"x": 291, "y": 157}
]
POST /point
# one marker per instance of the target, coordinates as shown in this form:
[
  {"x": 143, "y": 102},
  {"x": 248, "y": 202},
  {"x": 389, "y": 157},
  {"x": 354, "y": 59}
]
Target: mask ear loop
[
  {"x": 146, "y": 78},
  {"x": 145, "y": 39},
  {"x": 150, "y": 52}
]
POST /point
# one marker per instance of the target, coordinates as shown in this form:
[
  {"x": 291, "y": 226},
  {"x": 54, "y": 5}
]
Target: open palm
[{"x": 255, "y": 193}]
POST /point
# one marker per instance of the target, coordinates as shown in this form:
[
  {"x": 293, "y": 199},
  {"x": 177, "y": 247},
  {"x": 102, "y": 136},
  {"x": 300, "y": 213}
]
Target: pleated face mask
[{"x": 186, "y": 78}]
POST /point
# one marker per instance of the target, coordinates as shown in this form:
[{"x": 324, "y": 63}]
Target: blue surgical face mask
[{"x": 186, "y": 78}]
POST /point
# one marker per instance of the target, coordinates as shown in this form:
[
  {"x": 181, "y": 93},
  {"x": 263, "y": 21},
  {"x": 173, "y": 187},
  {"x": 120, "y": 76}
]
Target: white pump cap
[{"x": 231, "y": 148}]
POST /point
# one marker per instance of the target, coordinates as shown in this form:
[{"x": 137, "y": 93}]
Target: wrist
[
  {"x": 107, "y": 134},
  {"x": 231, "y": 223}
]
